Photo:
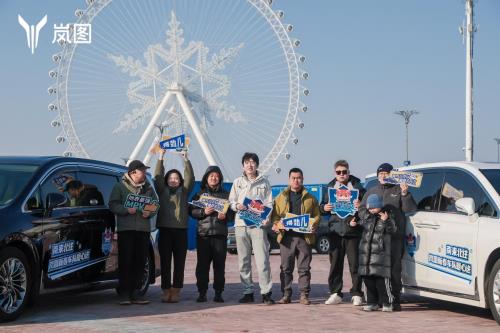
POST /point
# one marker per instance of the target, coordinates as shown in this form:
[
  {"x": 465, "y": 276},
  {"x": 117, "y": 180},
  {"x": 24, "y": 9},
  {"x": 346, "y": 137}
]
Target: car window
[
  {"x": 370, "y": 183},
  {"x": 13, "y": 179},
  {"x": 428, "y": 194},
  {"x": 34, "y": 202},
  {"x": 57, "y": 183},
  {"x": 459, "y": 184},
  {"x": 95, "y": 188},
  {"x": 493, "y": 176}
]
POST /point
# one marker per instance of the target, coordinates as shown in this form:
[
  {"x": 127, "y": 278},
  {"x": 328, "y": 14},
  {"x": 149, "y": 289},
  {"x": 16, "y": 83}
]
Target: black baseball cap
[
  {"x": 384, "y": 167},
  {"x": 136, "y": 164}
]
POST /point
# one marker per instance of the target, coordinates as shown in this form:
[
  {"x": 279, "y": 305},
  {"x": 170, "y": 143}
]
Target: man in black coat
[
  {"x": 397, "y": 201},
  {"x": 212, "y": 235},
  {"x": 344, "y": 239}
]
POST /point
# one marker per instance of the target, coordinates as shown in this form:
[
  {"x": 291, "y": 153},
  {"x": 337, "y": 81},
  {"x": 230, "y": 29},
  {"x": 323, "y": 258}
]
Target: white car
[{"x": 452, "y": 245}]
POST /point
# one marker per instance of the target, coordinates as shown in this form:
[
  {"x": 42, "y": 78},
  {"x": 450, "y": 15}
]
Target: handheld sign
[
  {"x": 157, "y": 148},
  {"x": 255, "y": 214},
  {"x": 177, "y": 142},
  {"x": 61, "y": 180},
  {"x": 141, "y": 202},
  {"x": 342, "y": 199},
  {"x": 219, "y": 205},
  {"x": 450, "y": 192},
  {"x": 298, "y": 223},
  {"x": 413, "y": 179}
]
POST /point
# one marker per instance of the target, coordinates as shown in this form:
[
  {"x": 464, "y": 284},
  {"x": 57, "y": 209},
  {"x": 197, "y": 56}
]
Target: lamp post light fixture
[{"x": 406, "y": 114}]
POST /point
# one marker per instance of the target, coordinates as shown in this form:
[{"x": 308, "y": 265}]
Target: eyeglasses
[{"x": 341, "y": 172}]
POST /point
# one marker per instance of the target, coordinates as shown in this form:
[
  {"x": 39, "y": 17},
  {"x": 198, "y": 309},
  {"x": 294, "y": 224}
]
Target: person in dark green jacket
[
  {"x": 133, "y": 227},
  {"x": 172, "y": 223}
]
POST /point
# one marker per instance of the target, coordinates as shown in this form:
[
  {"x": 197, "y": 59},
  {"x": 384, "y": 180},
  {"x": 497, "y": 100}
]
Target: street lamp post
[
  {"x": 406, "y": 114},
  {"x": 498, "y": 149}
]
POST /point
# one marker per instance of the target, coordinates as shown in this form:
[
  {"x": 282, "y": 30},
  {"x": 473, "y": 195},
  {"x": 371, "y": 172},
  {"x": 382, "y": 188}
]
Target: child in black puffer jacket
[{"x": 375, "y": 255}]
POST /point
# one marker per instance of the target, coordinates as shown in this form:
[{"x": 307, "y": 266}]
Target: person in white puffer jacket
[{"x": 254, "y": 186}]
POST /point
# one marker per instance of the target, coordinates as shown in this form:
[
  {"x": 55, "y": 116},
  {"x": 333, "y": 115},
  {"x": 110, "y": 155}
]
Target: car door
[
  {"x": 419, "y": 225},
  {"x": 99, "y": 225},
  {"x": 64, "y": 250},
  {"x": 451, "y": 261}
]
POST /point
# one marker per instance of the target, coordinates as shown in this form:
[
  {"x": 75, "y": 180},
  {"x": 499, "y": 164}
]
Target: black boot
[
  {"x": 202, "y": 297},
  {"x": 218, "y": 297},
  {"x": 247, "y": 298},
  {"x": 266, "y": 299}
]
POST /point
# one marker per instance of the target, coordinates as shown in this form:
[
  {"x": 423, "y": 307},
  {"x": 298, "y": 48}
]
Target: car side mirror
[
  {"x": 54, "y": 200},
  {"x": 466, "y": 205},
  {"x": 33, "y": 204}
]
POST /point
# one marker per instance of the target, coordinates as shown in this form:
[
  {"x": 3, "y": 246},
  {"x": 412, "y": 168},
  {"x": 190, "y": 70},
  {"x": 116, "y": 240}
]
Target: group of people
[{"x": 372, "y": 239}]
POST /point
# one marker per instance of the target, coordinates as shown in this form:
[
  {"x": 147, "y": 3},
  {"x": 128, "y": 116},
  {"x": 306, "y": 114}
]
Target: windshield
[
  {"x": 13, "y": 179},
  {"x": 493, "y": 175}
]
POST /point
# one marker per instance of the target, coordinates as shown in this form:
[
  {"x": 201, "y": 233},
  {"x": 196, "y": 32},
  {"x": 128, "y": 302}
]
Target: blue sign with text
[
  {"x": 176, "y": 142},
  {"x": 298, "y": 223}
]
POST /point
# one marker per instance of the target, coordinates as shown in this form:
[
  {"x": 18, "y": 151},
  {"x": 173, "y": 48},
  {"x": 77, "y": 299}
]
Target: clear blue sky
[{"x": 366, "y": 60}]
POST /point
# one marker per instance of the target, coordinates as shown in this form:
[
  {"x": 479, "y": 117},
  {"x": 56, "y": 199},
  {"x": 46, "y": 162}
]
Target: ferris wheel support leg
[
  {"x": 205, "y": 145},
  {"x": 151, "y": 124}
]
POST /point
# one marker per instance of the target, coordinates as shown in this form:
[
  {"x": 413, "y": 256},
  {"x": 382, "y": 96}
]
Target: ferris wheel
[{"x": 223, "y": 72}]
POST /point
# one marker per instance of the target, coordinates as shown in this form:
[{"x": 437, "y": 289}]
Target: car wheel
[
  {"x": 148, "y": 272},
  {"x": 323, "y": 245},
  {"x": 15, "y": 283},
  {"x": 232, "y": 251},
  {"x": 493, "y": 291}
]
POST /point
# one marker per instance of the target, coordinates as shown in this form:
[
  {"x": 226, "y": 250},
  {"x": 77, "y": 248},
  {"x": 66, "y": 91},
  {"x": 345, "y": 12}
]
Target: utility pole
[
  {"x": 469, "y": 30},
  {"x": 406, "y": 114}
]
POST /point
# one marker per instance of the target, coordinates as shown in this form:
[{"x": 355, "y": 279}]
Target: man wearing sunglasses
[{"x": 344, "y": 239}]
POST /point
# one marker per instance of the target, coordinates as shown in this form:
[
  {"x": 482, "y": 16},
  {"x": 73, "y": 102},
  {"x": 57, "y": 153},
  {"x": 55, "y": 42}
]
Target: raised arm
[
  {"x": 188, "y": 176},
  {"x": 158, "y": 176}
]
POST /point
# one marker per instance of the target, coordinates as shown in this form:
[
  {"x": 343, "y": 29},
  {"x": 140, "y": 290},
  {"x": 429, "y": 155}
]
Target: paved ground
[{"x": 98, "y": 312}]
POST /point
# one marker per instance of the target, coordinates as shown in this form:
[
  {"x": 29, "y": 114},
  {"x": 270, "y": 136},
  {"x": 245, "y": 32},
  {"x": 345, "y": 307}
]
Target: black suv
[{"x": 56, "y": 231}]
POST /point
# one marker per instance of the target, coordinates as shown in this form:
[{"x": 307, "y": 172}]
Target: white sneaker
[
  {"x": 357, "y": 300},
  {"x": 333, "y": 299},
  {"x": 370, "y": 307},
  {"x": 387, "y": 308}
]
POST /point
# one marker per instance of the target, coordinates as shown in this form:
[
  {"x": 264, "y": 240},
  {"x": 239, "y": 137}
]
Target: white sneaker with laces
[
  {"x": 333, "y": 299},
  {"x": 357, "y": 300}
]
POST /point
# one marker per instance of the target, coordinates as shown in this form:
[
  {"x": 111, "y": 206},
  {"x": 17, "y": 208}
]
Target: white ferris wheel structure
[{"x": 224, "y": 72}]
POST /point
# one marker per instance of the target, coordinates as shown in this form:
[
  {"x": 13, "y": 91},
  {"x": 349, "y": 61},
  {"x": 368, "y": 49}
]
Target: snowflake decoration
[{"x": 203, "y": 85}]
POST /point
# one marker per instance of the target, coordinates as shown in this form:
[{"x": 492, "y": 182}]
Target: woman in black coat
[{"x": 212, "y": 235}]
